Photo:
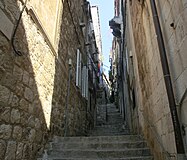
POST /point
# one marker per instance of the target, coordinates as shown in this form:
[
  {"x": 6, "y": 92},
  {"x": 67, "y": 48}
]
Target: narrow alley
[
  {"x": 108, "y": 140},
  {"x": 93, "y": 80}
]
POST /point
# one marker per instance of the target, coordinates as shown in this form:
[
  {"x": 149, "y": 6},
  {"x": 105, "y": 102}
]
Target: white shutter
[
  {"x": 81, "y": 75},
  {"x": 80, "y": 69},
  {"x": 77, "y": 69},
  {"x": 83, "y": 80},
  {"x": 86, "y": 88}
]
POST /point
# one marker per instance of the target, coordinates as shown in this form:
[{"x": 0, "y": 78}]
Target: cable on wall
[{"x": 17, "y": 52}]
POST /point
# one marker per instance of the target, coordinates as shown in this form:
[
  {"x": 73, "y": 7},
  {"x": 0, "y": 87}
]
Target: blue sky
[{"x": 106, "y": 13}]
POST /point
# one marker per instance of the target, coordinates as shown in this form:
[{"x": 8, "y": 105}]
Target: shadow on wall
[
  {"x": 23, "y": 128},
  {"x": 33, "y": 87},
  {"x": 67, "y": 48}
]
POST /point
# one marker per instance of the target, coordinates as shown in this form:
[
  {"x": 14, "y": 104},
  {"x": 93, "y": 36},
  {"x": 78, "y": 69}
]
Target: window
[
  {"x": 79, "y": 69},
  {"x": 81, "y": 75}
]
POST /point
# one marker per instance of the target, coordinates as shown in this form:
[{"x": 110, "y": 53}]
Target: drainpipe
[
  {"x": 123, "y": 9},
  {"x": 168, "y": 83}
]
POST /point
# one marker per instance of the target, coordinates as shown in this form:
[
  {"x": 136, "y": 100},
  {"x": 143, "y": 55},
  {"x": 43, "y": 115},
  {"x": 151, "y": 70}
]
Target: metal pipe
[
  {"x": 106, "y": 102},
  {"x": 66, "y": 116},
  {"x": 17, "y": 52},
  {"x": 167, "y": 78},
  {"x": 124, "y": 6}
]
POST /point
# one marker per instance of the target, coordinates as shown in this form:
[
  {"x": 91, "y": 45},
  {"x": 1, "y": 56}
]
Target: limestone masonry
[{"x": 33, "y": 87}]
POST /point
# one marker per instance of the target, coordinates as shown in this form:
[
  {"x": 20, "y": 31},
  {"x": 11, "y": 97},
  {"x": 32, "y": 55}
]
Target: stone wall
[
  {"x": 153, "y": 109},
  {"x": 33, "y": 87}
]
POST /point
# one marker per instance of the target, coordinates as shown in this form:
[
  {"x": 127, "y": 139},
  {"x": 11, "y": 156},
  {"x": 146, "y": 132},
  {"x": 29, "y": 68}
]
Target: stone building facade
[
  {"x": 39, "y": 41},
  {"x": 97, "y": 30},
  {"x": 151, "y": 114},
  {"x": 145, "y": 97}
]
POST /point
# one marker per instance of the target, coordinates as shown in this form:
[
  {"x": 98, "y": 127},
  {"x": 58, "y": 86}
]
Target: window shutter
[
  {"x": 83, "y": 80},
  {"x": 86, "y": 94},
  {"x": 77, "y": 69},
  {"x": 80, "y": 69}
]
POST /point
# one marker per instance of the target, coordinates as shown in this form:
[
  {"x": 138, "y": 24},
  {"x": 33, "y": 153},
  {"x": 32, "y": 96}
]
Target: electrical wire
[
  {"x": 78, "y": 34},
  {"x": 18, "y": 53},
  {"x": 69, "y": 8}
]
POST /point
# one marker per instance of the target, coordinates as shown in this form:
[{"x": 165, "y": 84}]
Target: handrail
[
  {"x": 66, "y": 116},
  {"x": 90, "y": 115},
  {"x": 106, "y": 110},
  {"x": 156, "y": 135}
]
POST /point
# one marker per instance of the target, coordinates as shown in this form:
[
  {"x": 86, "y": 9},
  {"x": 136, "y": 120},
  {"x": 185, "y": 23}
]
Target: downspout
[
  {"x": 168, "y": 83},
  {"x": 123, "y": 5}
]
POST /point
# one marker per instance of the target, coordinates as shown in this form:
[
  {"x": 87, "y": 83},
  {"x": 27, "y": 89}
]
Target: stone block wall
[
  {"x": 153, "y": 109},
  {"x": 71, "y": 38},
  {"x": 33, "y": 87}
]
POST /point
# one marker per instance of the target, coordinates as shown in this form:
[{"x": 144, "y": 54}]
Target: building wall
[
  {"x": 152, "y": 103},
  {"x": 97, "y": 29},
  {"x": 33, "y": 87}
]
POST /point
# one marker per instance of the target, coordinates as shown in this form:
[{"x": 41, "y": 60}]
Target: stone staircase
[
  {"x": 113, "y": 123},
  {"x": 109, "y": 140}
]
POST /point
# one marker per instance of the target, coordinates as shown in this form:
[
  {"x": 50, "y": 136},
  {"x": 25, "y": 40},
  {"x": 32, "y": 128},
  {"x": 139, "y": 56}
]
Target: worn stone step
[
  {"x": 116, "y": 122},
  {"x": 112, "y": 109},
  {"x": 108, "y": 134},
  {"x": 109, "y": 127},
  {"x": 110, "y": 131},
  {"x": 100, "y": 145},
  {"x": 107, "y": 130},
  {"x": 129, "y": 158},
  {"x": 114, "y": 114},
  {"x": 113, "y": 121},
  {"x": 125, "y": 138},
  {"x": 69, "y": 153}
]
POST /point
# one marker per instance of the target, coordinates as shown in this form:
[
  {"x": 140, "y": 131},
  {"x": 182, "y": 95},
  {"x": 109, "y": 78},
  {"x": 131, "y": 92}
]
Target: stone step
[
  {"x": 126, "y": 138},
  {"x": 112, "y": 109},
  {"x": 114, "y": 130},
  {"x": 114, "y": 123},
  {"x": 114, "y": 113},
  {"x": 113, "y": 119},
  {"x": 108, "y": 133},
  {"x": 119, "y": 153},
  {"x": 100, "y": 145},
  {"x": 131, "y": 158},
  {"x": 109, "y": 126}
]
